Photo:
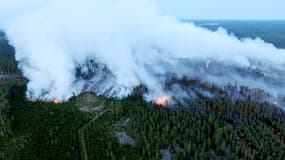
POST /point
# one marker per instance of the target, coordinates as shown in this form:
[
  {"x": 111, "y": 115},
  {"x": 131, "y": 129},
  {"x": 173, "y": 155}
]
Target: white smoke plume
[{"x": 131, "y": 42}]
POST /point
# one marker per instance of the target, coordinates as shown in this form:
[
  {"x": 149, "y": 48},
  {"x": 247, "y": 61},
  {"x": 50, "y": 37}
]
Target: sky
[
  {"x": 191, "y": 9},
  {"x": 224, "y": 9}
]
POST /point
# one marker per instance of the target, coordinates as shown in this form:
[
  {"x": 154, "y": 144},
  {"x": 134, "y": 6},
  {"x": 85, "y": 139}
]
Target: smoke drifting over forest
[{"x": 109, "y": 47}]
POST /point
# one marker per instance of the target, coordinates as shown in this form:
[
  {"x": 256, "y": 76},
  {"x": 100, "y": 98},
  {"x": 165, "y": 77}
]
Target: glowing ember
[
  {"x": 55, "y": 101},
  {"x": 162, "y": 101}
]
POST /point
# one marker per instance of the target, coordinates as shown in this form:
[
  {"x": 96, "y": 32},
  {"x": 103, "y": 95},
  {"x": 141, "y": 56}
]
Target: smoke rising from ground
[{"x": 109, "y": 47}]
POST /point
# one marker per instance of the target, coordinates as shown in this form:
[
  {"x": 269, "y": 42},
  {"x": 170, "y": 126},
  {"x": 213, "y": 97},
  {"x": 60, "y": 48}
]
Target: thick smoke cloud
[{"x": 109, "y": 47}]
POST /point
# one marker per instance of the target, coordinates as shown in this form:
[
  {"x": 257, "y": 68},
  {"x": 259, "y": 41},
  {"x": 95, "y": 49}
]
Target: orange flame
[
  {"x": 55, "y": 101},
  {"x": 162, "y": 101}
]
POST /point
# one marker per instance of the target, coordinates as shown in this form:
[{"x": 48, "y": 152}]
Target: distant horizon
[
  {"x": 186, "y": 19},
  {"x": 183, "y": 19},
  {"x": 224, "y": 9}
]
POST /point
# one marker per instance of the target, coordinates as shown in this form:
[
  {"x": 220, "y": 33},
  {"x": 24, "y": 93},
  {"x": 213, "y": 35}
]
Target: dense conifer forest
[
  {"x": 7, "y": 56},
  {"x": 94, "y": 127},
  {"x": 213, "y": 128}
]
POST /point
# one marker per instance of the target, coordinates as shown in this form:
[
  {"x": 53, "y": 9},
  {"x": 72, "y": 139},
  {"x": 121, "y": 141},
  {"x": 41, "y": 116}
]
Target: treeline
[
  {"x": 230, "y": 102},
  {"x": 209, "y": 128},
  {"x": 41, "y": 130},
  {"x": 209, "y": 131},
  {"x": 199, "y": 134},
  {"x": 5, "y": 86},
  {"x": 8, "y": 63}
]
